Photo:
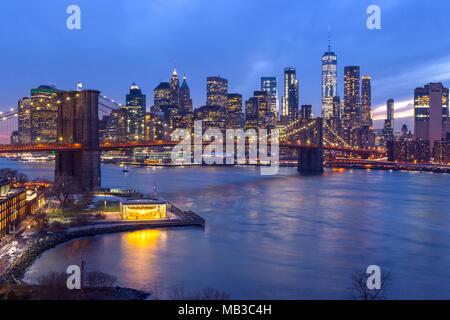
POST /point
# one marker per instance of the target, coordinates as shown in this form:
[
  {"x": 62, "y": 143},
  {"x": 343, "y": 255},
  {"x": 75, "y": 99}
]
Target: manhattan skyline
[{"x": 134, "y": 42}]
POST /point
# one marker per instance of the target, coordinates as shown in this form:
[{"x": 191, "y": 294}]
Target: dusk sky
[{"x": 121, "y": 42}]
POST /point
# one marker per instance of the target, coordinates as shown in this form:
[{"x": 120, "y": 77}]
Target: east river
[{"x": 274, "y": 237}]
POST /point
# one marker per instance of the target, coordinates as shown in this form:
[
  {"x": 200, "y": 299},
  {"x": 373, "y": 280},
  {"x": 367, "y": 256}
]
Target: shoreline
[{"x": 37, "y": 246}]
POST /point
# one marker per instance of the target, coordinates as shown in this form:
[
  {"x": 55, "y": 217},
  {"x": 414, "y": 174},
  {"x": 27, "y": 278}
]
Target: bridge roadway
[
  {"x": 105, "y": 146},
  {"x": 382, "y": 164}
]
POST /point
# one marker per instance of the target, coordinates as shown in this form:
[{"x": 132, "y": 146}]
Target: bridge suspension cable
[
  {"x": 345, "y": 144},
  {"x": 286, "y": 135}
]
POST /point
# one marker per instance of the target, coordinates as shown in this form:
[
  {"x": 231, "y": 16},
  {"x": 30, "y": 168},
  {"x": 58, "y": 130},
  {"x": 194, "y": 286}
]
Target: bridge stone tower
[
  {"x": 311, "y": 159},
  {"x": 78, "y": 123}
]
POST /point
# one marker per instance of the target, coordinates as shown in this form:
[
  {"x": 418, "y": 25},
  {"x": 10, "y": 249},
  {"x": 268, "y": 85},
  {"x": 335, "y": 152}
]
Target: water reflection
[{"x": 285, "y": 236}]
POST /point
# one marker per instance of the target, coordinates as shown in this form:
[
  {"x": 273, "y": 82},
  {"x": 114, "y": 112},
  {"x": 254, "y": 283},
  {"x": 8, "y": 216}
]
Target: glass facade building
[
  {"x": 161, "y": 96},
  {"x": 216, "y": 91},
  {"x": 185, "y": 97},
  {"x": 366, "y": 102},
  {"x": 431, "y": 112},
  {"x": 135, "y": 111},
  {"x": 269, "y": 85},
  {"x": 329, "y": 83},
  {"x": 289, "y": 108},
  {"x": 352, "y": 100},
  {"x": 38, "y": 116}
]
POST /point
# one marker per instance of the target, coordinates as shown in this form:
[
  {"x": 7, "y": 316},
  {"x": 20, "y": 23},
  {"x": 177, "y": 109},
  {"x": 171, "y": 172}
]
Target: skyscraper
[
  {"x": 269, "y": 85},
  {"x": 306, "y": 111},
  {"x": 114, "y": 125},
  {"x": 388, "y": 130},
  {"x": 431, "y": 113},
  {"x": 366, "y": 102},
  {"x": 329, "y": 80},
  {"x": 44, "y": 114},
  {"x": 135, "y": 111},
  {"x": 251, "y": 113},
  {"x": 336, "y": 108},
  {"x": 352, "y": 108},
  {"x": 264, "y": 112},
  {"x": 24, "y": 126},
  {"x": 216, "y": 91},
  {"x": 185, "y": 97},
  {"x": 289, "y": 108},
  {"x": 175, "y": 89},
  {"x": 235, "y": 117},
  {"x": 234, "y": 103},
  {"x": 161, "y": 96}
]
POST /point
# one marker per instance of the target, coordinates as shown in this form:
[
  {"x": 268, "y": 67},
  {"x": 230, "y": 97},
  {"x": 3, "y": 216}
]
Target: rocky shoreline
[{"x": 39, "y": 245}]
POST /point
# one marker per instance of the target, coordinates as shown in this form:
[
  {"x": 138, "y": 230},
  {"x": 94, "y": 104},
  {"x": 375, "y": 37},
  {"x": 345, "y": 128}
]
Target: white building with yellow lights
[{"x": 142, "y": 209}]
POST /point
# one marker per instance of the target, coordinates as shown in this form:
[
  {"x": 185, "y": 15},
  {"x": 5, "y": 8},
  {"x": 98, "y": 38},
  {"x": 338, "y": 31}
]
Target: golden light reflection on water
[
  {"x": 339, "y": 169},
  {"x": 139, "y": 255},
  {"x": 145, "y": 238}
]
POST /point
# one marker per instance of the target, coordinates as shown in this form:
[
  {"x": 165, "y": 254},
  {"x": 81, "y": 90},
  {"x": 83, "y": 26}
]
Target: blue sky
[{"x": 140, "y": 41}]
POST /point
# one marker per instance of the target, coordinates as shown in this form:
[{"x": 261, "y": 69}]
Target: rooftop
[{"x": 143, "y": 201}]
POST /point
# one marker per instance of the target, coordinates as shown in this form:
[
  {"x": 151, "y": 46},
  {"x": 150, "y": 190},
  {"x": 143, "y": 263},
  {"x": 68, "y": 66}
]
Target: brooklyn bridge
[{"x": 79, "y": 144}]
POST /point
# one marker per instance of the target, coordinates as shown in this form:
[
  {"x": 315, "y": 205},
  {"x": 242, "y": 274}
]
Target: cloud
[
  {"x": 256, "y": 70},
  {"x": 402, "y": 109},
  {"x": 435, "y": 72}
]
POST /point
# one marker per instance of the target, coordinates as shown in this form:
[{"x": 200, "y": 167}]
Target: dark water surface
[{"x": 286, "y": 236}]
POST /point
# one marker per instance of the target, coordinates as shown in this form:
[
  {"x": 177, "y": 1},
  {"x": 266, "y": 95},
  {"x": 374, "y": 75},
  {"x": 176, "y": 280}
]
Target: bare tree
[
  {"x": 178, "y": 293},
  {"x": 100, "y": 279},
  {"x": 64, "y": 189},
  {"x": 13, "y": 175},
  {"x": 39, "y": 220},
  {"x": 54, "y": 286},
  {"x": 360, "y": 291},
  {"x": 211, "y": 294}
]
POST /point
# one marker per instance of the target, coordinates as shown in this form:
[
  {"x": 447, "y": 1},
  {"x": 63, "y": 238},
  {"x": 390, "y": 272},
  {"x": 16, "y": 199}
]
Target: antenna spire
[{"x": 329, "y": 38}]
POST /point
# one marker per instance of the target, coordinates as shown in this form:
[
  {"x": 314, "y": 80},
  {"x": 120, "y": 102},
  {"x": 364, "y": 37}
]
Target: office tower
[
  {"x": 251, "y": 113},
  {"x": 336, "y": 108},
  {"x": 216, "y": 91},
  {"x": 24, "y": 125},
  {"x": 264, "y": 113},
  {"x": 329, "y": 80},
  {"x": 366, "y": 102},
  {"x": 185, "y": 97},
  {"x": 404, "y": 131},
  {"x": 306, "y": 111},
  {"x": 44, "y": 114},
  {"x": 135, "y": 111},
  {"x": 175, "y": 89},
  {"x": 161, "y": 96},
  {"x": 234, "y": 103},
  {"x": 289, "y": 108},
  {"x": 431, "y": 113},
  {"x": 114, "y": 126},
  {"x": 390, "y": 113},
  {"x": 352, "y": 110},
  {"x": 213, "y": 117},
  {"x": 263, "y": 103},
  {"x": 388, "y": 130},
  {"x": 235, "y": 117},
  {"x": 269, "y": 85}
]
